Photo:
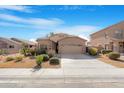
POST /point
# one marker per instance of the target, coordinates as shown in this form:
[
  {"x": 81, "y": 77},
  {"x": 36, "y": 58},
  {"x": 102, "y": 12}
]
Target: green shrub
[
  {"x": 25, "y": 50},
  {"x": 50, "y": 55},
  {"x": 39, "y": 60},
  {"x": 3, "y": 52},
  {"x": 32, "y": 52},
  {"x": 54, "y": 61},
  {"x": 45, "y": 57},
  {"x": 106, "y": 51},
  {"x": 114, "y": 55},
  {"x": 18, "y": 58},
  {"x": 9, "y": 58},
  {"x": 93, "y": 51}
]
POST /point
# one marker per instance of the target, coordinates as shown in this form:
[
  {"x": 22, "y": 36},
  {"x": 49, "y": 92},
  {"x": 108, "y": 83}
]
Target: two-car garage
[{"x": 71, "y": 45}]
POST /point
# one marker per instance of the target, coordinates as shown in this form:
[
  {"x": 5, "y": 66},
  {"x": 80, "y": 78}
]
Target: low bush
[
  {"x": 25, "y": 51},
  {"x": 32, "y": 52},
  {"x": 93, "y": 51},
  {"x": 18, "y": 58},
  {"x": 3, "y": 52},
  {"x": 9, "y": 58},
  {"x": 106, "y": 51},
  {"x": 45, "y": 57},
  {"x": 39, "y": 60},
  {"x": 50, "y": 55},
  {"x": 54, "y": 61},
  {"x": 113, "y": 55}
]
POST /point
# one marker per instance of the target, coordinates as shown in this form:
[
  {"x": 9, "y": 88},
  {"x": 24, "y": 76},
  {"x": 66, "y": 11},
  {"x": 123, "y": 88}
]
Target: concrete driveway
[
  {"x": 87, "y": 66},
  {"x": 76, "y": 71}
]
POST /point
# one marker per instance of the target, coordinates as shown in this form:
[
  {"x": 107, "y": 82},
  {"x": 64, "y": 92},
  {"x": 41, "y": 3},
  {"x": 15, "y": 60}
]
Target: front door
[{"x": 121, "y": 47}]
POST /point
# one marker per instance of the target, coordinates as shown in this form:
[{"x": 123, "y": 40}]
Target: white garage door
[{"x": 73, "y": 49}]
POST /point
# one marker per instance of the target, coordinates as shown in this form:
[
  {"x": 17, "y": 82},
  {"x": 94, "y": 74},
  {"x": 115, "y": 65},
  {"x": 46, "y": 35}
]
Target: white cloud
[
  {"x": 82, "y": 31},
  {"x": 39, "y": 23},
  {"x": 73, "y": 7},
  {"x": 33, "y": 40},
  {"x": 83, "y": 36},
  {"x": 78, "y": 29},
  {"x": 80, "y": 7},
  {"x": 13, "y": 18},
  {"x": 16, "y": 8}
]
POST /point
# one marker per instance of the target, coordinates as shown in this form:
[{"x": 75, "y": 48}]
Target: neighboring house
[
  {"x": 22, "y": 41},
  {"x": 63, "y": 44},
  {"x": 110, "y": 38},
  {"x": 9, "y": 45}
]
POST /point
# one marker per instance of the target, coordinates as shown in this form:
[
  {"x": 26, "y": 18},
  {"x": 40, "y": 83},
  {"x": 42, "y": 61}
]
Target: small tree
[
  {"x": 39, "y": 60},
  {"x": 25, "y": 50},
  {"x": 50, "y": 34}
]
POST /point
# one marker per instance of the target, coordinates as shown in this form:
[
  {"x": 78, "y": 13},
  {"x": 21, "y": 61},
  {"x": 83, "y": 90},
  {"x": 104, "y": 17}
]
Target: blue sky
[{"x": 31, "y": 22}]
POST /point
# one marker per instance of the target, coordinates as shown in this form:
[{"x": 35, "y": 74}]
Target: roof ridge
[
  {"x": 8, "y": 39},
  {"x": 108, "y": 27}
]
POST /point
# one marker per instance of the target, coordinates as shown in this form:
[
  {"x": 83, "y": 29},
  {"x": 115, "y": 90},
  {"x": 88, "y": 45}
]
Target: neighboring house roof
[
  {"x": 7, "y": 40},
  {"x": 23, "y": 41},
  {"x": 122, "y": 22}
]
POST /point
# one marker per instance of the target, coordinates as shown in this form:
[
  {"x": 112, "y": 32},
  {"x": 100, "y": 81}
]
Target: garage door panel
[{"x": 71, "y": 49}]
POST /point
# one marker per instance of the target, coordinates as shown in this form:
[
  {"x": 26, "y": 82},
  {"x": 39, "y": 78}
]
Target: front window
[
  {"x": 43, "y": 46},
  {"x": 11, "y": 46},
  {"x": 118, "y": 34}
]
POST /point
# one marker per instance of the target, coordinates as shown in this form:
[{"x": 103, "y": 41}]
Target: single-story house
[
  {"x": 110, "y": 38},
  {"x": 63, "y": 44},
  {"x": 30, "y": 44},
  {"x": 9, "y": 45}
]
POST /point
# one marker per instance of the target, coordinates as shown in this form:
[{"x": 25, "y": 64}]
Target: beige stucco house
[
  {"x": 110, "y": 38},
  {"x": 63, "y": 44},
  {"x": 9, "y": 45},
  {"x": 30, "y": 44}
]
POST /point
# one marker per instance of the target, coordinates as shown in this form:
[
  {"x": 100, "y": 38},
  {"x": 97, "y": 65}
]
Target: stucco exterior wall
[
  {"x": 50, "y": 45},
  {"x": 107, "y": 35}
]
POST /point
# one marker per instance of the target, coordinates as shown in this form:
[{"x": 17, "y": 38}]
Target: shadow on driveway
[
  {"x": 77, "y": 56},
  {"x": 36, "y": 68}
]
